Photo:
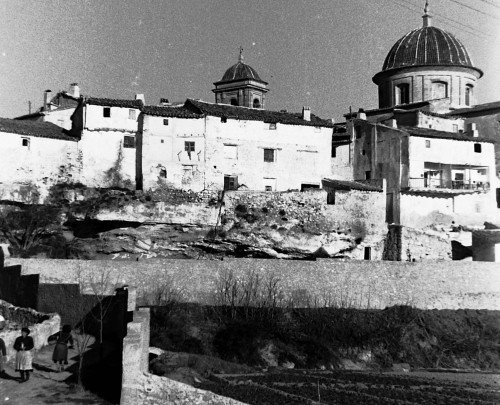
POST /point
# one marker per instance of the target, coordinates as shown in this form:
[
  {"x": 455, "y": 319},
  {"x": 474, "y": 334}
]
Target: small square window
[
  {"x": 427, "y": 143},
  {"x": 129, "y": 142},
  {"x": 189, "y": 147},
  {"x": 223, "y": 119},
  {"x": 165, "y": 121},
  {"x": 132, "y": 114},
  {"x": 26, "y": 142},
  {"x": 477, "y": 147},
  {"x": 106, "y": 112},
  {"x": 272, "y": 125},
  {"x": 269, "y": 155},
  {"x": 269, "y": 188},
  {"x": 368, "y": 175},
  {"x": 230, "y": 182},
  {"x": 162, "y": 140}
]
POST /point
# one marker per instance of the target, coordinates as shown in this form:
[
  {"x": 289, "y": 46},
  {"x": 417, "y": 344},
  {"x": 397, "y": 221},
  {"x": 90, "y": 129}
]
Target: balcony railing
[{"x": 448, "y": 184}]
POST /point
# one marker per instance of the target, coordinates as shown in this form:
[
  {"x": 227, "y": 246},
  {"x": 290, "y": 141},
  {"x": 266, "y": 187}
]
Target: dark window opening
[
  {"x": 234, "y": 102},
  {"x": 477, "y": 147},
  {"x": 269, "y": 188},
  {"x": 468, "y": 94},
  {"x": 165, "y": 121},
  {"x": 256, "y": 103},
  {"x": 305, "y": 186},
  {"x": 427, "y": 143},
  {"x": 330, "y": 198},
  {"x": 334, "y": 151},
  {"x": 269, "y": 155},
  {"x": 368, "y": 175},
  {"x": 368, "y": 253},
  {"x": 223, "y": 119},
  {"x": 357, "y": 132},
  {"x": 272, "y": 125},
  {"x": 26, "y": 142},
  {"x": 163, "y": 173},
  {"x": 189, "y": 146},
  {"x": 230, "y": 182},
  {"x": 498, "y": 197},
  {"x": 106, "y": 112},
  {"x": 129, "y": 142},
  {"x": 402, "y": 93}
]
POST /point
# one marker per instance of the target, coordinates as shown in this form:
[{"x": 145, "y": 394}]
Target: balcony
[{"x": 437, "y": 183}]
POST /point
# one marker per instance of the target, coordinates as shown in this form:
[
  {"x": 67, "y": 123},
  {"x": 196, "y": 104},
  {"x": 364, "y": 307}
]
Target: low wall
[
  {"x": 27, "y": 317},
  {"x": 377, "y": 284},
  {"x": 141, "y": 387}
]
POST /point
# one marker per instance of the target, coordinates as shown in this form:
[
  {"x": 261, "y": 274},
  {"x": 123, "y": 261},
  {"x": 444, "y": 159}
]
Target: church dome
[
  {"x": 240, "y": 71},
  {"x": 427, "y": 46}
]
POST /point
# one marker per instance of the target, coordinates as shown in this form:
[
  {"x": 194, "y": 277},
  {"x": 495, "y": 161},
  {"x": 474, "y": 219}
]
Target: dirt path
[{"x": 44, "y": 386}]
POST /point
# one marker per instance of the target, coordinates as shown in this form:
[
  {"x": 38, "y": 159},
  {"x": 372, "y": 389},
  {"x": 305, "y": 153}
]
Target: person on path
[
  {"x": 60, "y": 355},
  {"x": 23, "y": 345}
]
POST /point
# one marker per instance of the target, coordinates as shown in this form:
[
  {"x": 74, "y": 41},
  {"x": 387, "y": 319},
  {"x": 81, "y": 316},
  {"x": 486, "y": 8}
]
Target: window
[
  {"x": 498, "y": 197},
  {"x": 256, "y": 103},
  {"x": 269, "y": 155},
  {"x": 223, "y": 119},
  {"x": 189, "y": 147},
  {"x": 26, "y": 142},
  {"x": 439, "y": 90},
  {"x": 230, "y": 151},
  {"x": 368, "y": 253},
  {"x": 129, "y": 142},
  {"x": 330, "y": 198},
  {"x": 363, "y": 152},
  {"x": 357, "y": 132},
  {"x": 234, "y": 101},
  {"x": 163, "y": 173},
  {"x": 272, "y": 125},
  {"x": 269, "y": 188},
  {"x": 468, "y": 94},
  {"x": 165, "y": 121},
  {"x": 427, "y": 143},
  {"x": 230, "y": 182},
  {"x": 106, "y": 112},
  {"x": 132, "y": 114},
  {"x": 477, "y": 147},
  {"x": 162, "y": 140},
  {"x": 368, "y": 175},
  {"x": 334, "y": 151},
  {"x": 402, "y": 93}
]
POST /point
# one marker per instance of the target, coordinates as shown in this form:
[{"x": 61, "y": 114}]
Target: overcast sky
[{"x": 320, "y": 53}]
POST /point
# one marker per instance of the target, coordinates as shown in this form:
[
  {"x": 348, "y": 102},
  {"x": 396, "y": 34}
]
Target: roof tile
[{"x": 35, "y": 129}]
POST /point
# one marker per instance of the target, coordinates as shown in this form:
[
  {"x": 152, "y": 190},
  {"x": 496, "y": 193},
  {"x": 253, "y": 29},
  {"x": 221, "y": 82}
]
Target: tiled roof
[
  {"x": 240, "y": 71},
  {"x": 168, "y": 111},
  {"x": 36, "y": 114},
  {"x": 427, "y": 46},
  {"x": 349, "y": 185},
  {"x": 476, "y": 109},
  {"x": 432, "y": 133},
  {"x": 34, "y": 128},
  {"x": 110, "y": 102},
  {"x": 254, "y": 114},
  {"x": 434, "y": 193}
]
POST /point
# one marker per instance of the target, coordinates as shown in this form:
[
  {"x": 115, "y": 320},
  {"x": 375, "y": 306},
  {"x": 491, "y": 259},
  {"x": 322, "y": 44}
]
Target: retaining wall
[{"x": 377, "y": 284}]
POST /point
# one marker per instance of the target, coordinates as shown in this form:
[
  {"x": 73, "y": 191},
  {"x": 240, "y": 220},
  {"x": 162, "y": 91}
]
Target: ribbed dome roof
[
  {"x": 427, "y": 46},
  {"x": 240, "y": 71}
]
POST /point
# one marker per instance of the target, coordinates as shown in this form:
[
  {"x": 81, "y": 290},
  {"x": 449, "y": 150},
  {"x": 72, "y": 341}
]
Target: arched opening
[
  {"x": 256, "y": 103},
  {"x": 439, "y": 90},
  {"x": 234, "y": 101},
  {"x": 468, "y": 94},
  {"x": 402, "y": 93}
]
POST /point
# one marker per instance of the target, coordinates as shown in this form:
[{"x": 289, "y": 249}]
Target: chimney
[
  {"x": 164, "y": 102},
  {"x": 47, "y": 96},
  {"x": 306, "y": 113},
  {"x": 361, "y": 114},
  {"x": 473, "y": 129},
  {"x": 140, "y": 97},
  {"x": 74, "y": 90},
  {"x": 333, "y": 120}
]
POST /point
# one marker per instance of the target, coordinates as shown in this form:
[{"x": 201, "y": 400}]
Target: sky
[{"x": 319, "y": 53}]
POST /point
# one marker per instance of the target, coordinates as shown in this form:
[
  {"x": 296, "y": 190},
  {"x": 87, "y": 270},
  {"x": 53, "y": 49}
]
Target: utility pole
[{"x": 29, "y": 107}]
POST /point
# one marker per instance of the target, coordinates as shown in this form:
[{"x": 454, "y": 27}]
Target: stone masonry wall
[
  {"x": 141, "y": 387},
  {"x": 377, "y": 284},
  {"x": 27, "y": 317}
]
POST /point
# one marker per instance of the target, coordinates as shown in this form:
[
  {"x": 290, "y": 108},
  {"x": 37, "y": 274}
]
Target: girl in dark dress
[
  {"x": 60, "y": 355},
  {"x": 23, "y": 345}
]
